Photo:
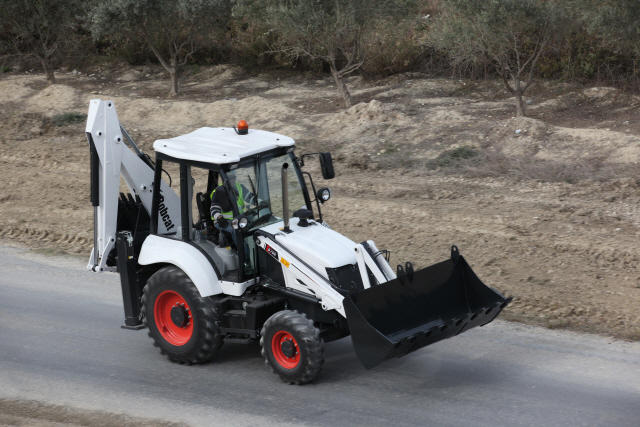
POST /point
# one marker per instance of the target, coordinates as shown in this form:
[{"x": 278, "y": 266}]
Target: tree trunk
[
  {"x": 342, "y": 87},
  {"x": 519, "y": 105},
  {"x": 171, "y": 67},
  {"x": 48, "y": 71},
  {"x": 174, "y": 82},
  {"x": 517, "y": 88},
  {"x": 173, "y": 72}
]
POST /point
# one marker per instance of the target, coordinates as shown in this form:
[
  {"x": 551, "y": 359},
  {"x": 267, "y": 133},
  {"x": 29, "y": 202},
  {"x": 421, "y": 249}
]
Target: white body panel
[
  {"x": 116, "y": 159},
  {"x": 221, "y": 145},
  {"x": 318, "y": 246},
  {"x": 305, "y": 279},
  {"x": 189, "y": 259}
]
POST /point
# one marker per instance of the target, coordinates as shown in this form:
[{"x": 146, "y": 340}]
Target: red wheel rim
[
  {"x": 280, "y": 338},
  {"x": 175, "y": 334}
]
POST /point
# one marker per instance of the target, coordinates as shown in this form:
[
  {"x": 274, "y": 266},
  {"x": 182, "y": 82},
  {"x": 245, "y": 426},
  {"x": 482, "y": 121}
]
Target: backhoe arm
[{"x": 111, "y": 159}]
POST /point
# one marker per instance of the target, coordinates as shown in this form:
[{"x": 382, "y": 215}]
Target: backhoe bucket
[{"x": 419, "y": 308}]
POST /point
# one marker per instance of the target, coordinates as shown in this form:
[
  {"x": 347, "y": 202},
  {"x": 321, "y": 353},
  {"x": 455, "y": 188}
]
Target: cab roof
[{"x": 221, "y": 145}]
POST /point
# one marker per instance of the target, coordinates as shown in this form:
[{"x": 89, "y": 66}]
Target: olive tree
[
  {"x": 45, "y": 29},
  {"x": 327, "y": 30},
  {"x": 616, "y": 22},
  {"x": 173, "y": 29},
  {"x": 511, "y": 35}
]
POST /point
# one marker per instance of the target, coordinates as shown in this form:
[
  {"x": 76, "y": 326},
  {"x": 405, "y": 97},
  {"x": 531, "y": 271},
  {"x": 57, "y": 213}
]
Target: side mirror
[{"x": 326, "y": 164}]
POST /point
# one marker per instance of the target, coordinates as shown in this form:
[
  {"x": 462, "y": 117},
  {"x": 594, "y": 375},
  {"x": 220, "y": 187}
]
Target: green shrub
[
  {"x": 392, "y": 48},
  {"x": 452, "y": 157},
  {"x": 66, "y": 119},
  {"x": 6, "y": 69}
]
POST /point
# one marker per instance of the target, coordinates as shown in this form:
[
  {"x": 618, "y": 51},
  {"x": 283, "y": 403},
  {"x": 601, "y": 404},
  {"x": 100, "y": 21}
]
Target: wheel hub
[
  {"x": 173, "y": 318},
  {"x": 285, "y": 349},
  {"x": 288, "y": 349},
  {"x": 179, "y": 316}
]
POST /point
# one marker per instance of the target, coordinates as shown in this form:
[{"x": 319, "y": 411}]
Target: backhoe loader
[{"x": 281, "y": 275}]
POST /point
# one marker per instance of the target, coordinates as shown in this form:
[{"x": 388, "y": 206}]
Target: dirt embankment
[{"x": 544, "y": 207}]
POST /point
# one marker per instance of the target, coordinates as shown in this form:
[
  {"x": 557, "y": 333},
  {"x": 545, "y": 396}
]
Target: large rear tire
[
  {"x": 182, "y": 324},
  {"x": 292, "y": 347}
]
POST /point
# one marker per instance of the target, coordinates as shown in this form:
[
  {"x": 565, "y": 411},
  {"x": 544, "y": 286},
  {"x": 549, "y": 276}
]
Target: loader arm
[{"x": 111, "y": 159}]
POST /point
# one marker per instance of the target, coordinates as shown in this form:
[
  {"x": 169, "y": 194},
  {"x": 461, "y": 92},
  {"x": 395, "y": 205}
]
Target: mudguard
[
  {"x": 189, "y": 259},
  {"x": 418, "y": 309}
]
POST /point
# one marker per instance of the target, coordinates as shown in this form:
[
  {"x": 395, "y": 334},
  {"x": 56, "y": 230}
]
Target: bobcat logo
[{"x": 163, "y": 212}]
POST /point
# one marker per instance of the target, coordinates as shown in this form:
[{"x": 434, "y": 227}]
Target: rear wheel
[
  {"x": 183, "y": 325},
  {"x": 292, "y": 347}
]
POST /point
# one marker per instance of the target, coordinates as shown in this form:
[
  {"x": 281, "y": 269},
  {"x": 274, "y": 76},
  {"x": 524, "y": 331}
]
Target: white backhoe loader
[{"x": 289, "y": 280}]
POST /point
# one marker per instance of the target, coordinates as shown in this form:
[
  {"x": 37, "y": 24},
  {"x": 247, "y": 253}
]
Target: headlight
[
  {"x": 324, "y": 194},
  {"x": 241, "y": 223}
]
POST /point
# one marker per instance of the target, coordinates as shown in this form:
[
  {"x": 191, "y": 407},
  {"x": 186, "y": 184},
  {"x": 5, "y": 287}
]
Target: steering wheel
[{"x": 255, "y": 211}]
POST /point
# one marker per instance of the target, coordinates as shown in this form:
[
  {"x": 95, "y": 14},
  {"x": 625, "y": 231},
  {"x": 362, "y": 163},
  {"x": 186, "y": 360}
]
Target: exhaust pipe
[{"x": 285, "y": 198}]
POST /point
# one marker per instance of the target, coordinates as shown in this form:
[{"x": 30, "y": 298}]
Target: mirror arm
[
  {"x": 315, "y": 195},
  {"x": 302, "y": 156}
]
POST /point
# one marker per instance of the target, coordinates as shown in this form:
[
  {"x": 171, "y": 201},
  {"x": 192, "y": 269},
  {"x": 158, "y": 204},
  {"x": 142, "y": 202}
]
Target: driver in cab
[{"x": 222, "y": 220}]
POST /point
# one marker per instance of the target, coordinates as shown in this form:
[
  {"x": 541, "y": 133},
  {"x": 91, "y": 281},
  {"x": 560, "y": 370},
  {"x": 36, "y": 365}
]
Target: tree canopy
[
  {"x": 45, "y": 29},
  {"x": 511, "y": 35},
  {"x": 512, "y": 39},
  {"x": 617, "y": 22},
  {"x": 329, "y": 30},
  {"x": 173, "y": 29}
]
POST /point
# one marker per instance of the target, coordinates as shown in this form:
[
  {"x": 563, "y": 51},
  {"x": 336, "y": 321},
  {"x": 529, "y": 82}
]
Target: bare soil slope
[
  {"x": 544, "y": 207},
  {"x": 38, "y": 414}
]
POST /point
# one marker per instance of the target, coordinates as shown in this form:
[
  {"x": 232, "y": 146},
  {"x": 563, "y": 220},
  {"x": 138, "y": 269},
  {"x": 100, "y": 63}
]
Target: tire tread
[
  {"x": 313, "y": 349},
  {"x": 209, "y": 339}
]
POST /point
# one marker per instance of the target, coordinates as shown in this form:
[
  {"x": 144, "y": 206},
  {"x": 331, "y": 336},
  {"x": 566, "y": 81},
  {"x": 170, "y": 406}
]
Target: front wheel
[
  {"x": 183, "y": 324},
  {"x": 292, "y": 347}
]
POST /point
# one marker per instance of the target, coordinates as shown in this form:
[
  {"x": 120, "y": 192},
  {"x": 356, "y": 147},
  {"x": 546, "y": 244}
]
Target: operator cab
[
  {"x": 244, "y": 167},
  {"x": 254, "y": 193}
]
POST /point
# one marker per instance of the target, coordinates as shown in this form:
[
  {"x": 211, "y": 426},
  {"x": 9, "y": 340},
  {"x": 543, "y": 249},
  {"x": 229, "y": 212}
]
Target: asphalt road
[{"x": 61, "y": 342}]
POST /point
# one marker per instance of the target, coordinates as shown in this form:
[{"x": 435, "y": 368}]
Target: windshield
[{"x": 265, "y": 180}]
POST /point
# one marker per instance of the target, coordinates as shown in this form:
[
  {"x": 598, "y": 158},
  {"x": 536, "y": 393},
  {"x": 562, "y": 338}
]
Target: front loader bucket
[{"x": 400, "y": 316}]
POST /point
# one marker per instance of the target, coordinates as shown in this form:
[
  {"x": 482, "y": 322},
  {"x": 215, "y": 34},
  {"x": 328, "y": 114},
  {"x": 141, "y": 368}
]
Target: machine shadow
[
  {"x": 428, "y": 370},
  {"x": 235, "y": 353}
]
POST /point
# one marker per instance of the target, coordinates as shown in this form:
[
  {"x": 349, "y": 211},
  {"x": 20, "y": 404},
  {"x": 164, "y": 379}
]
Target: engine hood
[{"x": 315, "y": 244}]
